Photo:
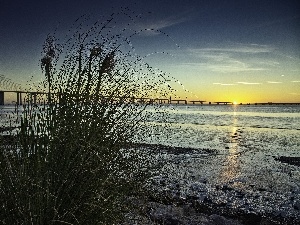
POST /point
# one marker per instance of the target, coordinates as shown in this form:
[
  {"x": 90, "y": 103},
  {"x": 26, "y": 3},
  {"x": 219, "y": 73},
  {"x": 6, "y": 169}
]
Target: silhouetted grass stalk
[{"x": 71, "y": 164}]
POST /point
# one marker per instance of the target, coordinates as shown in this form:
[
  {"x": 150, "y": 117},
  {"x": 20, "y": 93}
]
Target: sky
[{"x": 242, "y": 51}]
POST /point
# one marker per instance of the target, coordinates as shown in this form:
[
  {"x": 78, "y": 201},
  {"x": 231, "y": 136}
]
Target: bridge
[
  {"x": 224, "y": 103},
  {"x": 33, "y": 98},
  {"x": 19, "y": 101},
  {"x": 195, "y": 101},
  {"x": 178, "y": 101}
]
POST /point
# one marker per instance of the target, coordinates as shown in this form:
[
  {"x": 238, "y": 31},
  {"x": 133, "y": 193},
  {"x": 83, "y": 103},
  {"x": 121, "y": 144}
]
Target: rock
[
  {"x": 262, "y": 189},
  {"x": 251, "y": 219},
  {"x": 192, "y": 197},
  {"x": 208, "y": 200},
  {"x": 162, "y": 182},
  {"x": 276, "y": 213},
  {"x": 202, "y": 198},
  {"x": 226, "y": 188},
  {"x": 198, "y": 187},
  {"x": 203, "y": 180},
  {"x": 240, "y": 194},
  {"x": 220, "y": 220},
  {"x": 171, "y": 221},
  {"x": 222, "y": 204},
  {"x": 297, "y": 205}
]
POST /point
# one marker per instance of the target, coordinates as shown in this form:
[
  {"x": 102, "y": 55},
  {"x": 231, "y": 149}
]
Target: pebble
[
  {"x": 297, "y": 205},
  {"x": 220, "y": 220},
  {"x": 226, "y": 188}
]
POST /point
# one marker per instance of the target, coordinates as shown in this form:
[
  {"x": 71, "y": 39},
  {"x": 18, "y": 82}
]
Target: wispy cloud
[
  {"x": 295, "y": 81},
  {"x": 238, "y": 48},
  {"x": 166, "y": 22},
  {"x": 248, "y": 49},
  {"x": 234, "y": 58},
  {"x": 232, "y": 66},
  {"x": 294, "y": 93},
  {"x": 155, "y": 26},
  {"x": 237, "y": 83},
  {"x": 248, "y": 83},
  {"x": 274, "y": 82}
]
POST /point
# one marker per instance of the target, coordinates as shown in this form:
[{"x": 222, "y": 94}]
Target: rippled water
[{"x": 217, "y": 127}]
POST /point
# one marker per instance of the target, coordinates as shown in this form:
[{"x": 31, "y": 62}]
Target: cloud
[
  {"x": 234, "y": 58},
  {"x": 226, "y": 66},
  {"x": 237, "y": 83},
  {"x": 232, "y": 66},
  {"x": 155, "y": 26},
  {"x": 248, "y": 83},
  {"x": 294, "y": 93},
  {"x": 274, "y": 82},
  {"x": 295, "y": 81},
  {"x": 166, "y": 22},
  {"x": 238, "y": 48}
]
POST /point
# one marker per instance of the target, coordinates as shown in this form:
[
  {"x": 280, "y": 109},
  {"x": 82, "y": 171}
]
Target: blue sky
[{"x": 244, "y": 51}]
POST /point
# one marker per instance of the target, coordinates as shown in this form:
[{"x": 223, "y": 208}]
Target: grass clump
[{"x": 72, "y": 162}]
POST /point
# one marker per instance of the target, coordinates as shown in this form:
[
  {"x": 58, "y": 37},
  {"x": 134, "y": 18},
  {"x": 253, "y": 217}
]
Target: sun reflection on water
[{"x": 231, "y": 165}]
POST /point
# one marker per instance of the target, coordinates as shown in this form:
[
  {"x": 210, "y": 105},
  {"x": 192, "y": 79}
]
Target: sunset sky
[{"x": 243, "y": 51}]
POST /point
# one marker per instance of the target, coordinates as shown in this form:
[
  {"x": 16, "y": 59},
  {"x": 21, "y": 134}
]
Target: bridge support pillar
[
  {"x": 1, "y": 97},
  {"x": 19, "y": 98},
  {"x": 34, "y": 98}
]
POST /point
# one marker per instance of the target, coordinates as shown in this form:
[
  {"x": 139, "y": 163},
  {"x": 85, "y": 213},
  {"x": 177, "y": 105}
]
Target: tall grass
[{"x": 71, "y": 162}]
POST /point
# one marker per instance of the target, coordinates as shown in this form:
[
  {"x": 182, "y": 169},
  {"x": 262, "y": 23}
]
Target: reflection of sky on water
[
  {"x": 8, "y": 115},
  {"x": 202, "y": 127},
  {"x": 246, "y": 142}
]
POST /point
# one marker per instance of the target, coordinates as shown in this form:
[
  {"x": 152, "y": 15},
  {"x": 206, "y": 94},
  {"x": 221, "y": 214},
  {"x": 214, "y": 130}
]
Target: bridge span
[
  {"x": 33, "y": 98},
  {"x": 19, "y": 99}
]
